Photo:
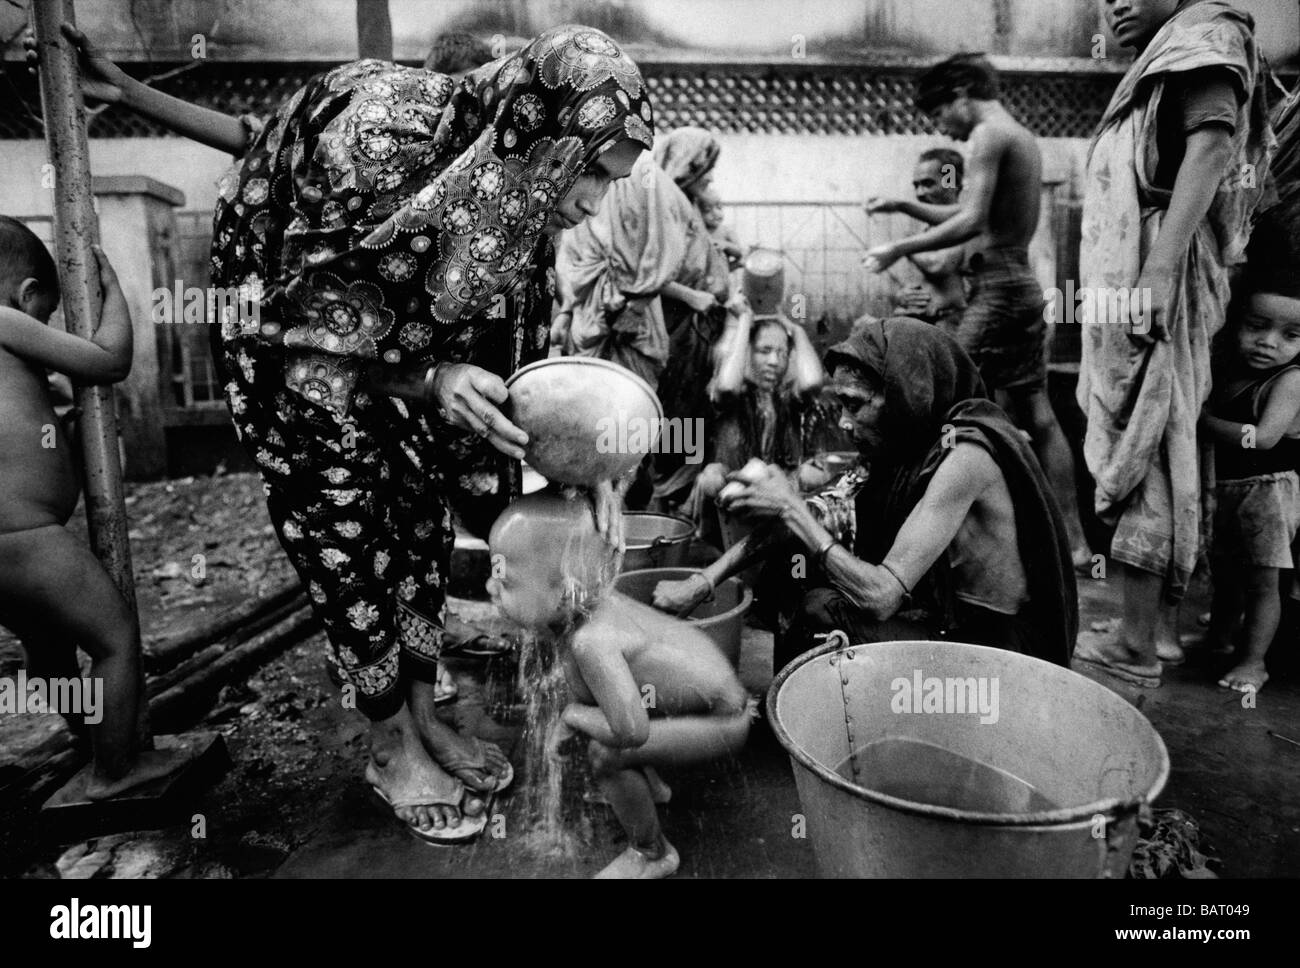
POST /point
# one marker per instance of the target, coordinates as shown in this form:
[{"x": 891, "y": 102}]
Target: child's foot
[
  {"x": 1245, "y": 677},
  {"x": 633, "y": 865},
  {"x": 150, "y": 765}
]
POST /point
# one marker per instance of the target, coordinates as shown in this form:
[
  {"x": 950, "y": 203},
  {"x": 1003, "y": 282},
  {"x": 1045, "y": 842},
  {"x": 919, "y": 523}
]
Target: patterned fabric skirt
[{"x": 356, "y": 502}]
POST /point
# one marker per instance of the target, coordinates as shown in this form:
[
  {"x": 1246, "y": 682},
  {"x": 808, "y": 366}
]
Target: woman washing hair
[{"x": 768, "y": 375}]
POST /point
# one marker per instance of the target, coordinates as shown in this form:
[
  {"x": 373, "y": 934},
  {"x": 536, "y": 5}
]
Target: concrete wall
[{"x": 755, "y": 172}]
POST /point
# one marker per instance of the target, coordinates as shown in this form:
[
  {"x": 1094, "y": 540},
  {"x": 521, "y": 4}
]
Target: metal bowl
[{"x": 587, "y": 420}]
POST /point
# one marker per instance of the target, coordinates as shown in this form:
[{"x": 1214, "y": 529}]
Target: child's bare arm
[
  {"x": 1280, "y": 411},
  {"x": 104, "y": 358},
  {"x": 102, "y": 80},
  {"x": 619, "y": 718}
]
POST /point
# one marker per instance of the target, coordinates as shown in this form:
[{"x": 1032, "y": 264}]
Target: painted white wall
[{"x": 825, "y": 244}]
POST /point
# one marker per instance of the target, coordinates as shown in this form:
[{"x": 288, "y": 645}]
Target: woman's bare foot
[
  {"x": 1170, "y": 653},
  {"x": 634, "y": 865},
  {"x": 422, "y": 794},
  {"x": 149, "y": 765},
  {"x": 1247, "y": 676},
  {"x": 479, "y": 765}
]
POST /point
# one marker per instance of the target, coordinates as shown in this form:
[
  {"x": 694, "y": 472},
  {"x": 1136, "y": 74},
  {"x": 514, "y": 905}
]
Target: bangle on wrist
[
  {"x": 907, "y": 592},
  {"x": 429, "y": 375},
  {"x": 708, "y": 584},
  {"x": 819, "y": 556}
]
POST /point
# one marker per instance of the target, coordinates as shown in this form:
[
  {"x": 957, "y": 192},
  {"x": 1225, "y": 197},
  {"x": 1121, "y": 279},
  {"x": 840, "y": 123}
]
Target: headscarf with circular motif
[{"x": 383, "y": 207}]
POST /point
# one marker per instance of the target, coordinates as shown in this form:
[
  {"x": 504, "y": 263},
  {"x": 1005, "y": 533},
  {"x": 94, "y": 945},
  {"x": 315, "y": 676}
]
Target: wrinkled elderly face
[
  {"x": 584, "y": 198},
  {"x": 1135, "y": 22},
  {"x": 862, "y": 402}
]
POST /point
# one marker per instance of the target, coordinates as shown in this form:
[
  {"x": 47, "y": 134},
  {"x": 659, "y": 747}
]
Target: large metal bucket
[
  {"x": 655, "y": 540},
  {"x": 722, "y": 618},
  {"x": 1090, "y": 753}
]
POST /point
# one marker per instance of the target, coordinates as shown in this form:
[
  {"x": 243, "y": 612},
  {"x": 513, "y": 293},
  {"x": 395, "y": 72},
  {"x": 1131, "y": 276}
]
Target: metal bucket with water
[
  {"x": 763, "y": 280},
  {"x": 721, "y": 618},
  {"x": 655, "y": 540},
  {"x": 1066, "y": 765}
]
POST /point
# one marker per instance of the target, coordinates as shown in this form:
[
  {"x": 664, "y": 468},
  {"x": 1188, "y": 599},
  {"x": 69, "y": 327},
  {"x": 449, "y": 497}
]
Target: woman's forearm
[
  {"x": 407, "y": 384},
  {"x": 1199, "y": 176},
  {"x": 730, "y": 377},
  {"x": 675, "y": 290},
  {"x": 871, "y": 588},
  {"x": 212, "y": 128},
  {"x": 806, "y": 368}
]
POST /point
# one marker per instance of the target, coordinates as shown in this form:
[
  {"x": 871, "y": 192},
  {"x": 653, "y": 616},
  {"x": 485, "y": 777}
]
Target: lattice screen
[{"x": 850, "y": 100}]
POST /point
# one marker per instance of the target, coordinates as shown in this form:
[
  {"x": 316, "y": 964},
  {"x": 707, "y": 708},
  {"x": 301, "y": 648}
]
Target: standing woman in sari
[
  {"x": 397, "y": 226},
  {"x": 1175, "y": 173},
  {"x": 622, "y": 271},
  {"x": 694, "y": 313}
]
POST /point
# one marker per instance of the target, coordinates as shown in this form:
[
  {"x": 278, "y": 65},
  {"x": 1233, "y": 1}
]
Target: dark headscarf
[{"x": 934, "y": 399}]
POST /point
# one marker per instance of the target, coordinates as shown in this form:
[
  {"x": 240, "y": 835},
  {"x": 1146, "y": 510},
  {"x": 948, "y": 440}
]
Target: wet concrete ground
[
  {"x": 734, "y": 819},
  {"x": 295, "y": 805}
]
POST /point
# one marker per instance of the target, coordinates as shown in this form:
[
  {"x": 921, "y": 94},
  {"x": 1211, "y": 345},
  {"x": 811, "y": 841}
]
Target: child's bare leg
[
  {"x": 1263, "y": 612},
  {"x": 48, "y": 657},
  {"x": 674, "y": 741},
  {"x": 48, "y": 576}
]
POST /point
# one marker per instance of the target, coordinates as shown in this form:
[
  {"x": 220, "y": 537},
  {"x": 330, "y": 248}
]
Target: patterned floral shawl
[{"x": 388, "y": 213}]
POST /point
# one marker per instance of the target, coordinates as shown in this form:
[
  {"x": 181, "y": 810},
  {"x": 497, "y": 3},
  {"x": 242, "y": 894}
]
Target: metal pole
[{"x": 75, "y": 228}]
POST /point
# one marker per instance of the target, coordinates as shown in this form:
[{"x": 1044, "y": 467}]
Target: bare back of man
[{"x": 1001, "y": 143}]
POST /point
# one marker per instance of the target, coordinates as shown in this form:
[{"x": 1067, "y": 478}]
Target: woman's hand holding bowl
[{"x": 468, "y": 397}]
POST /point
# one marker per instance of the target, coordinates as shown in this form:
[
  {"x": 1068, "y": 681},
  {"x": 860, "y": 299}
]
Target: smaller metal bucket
[
  {"x": 722, "y": 618},
  {"x": 655, "y": 540}
]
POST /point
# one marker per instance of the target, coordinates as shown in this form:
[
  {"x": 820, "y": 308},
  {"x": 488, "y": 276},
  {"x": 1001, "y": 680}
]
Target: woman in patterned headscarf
[{"x": 395, "y": 229}]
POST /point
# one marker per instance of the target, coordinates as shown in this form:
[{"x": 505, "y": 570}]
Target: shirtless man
[
  {"x": 54, "y": 594},
  {"x": 1003, "y": 327},
  {"x": 940, "y": 296},
  {"x": 647, "y": 690}
]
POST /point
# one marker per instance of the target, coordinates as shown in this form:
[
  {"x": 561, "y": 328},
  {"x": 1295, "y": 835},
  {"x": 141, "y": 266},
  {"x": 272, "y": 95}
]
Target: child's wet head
[{"x": 549, "y": 564}]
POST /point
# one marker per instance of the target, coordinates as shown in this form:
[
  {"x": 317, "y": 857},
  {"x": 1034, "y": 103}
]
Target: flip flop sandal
[
  {"x": 468, "y": 829},
  {"x": 1130, "y": 676},
  {"x": 454, "y": 764},
  {"x": 445, "y": 689}
]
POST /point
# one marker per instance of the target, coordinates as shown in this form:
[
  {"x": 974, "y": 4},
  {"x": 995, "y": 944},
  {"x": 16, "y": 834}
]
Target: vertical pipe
[{"x": 75, "y": 228}]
